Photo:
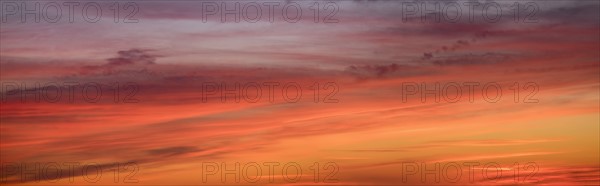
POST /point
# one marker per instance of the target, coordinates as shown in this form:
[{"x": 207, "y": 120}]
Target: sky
[{"x": 343, "y": 93}]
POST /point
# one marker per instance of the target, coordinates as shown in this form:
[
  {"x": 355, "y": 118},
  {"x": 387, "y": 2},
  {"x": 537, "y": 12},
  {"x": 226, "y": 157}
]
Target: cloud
[
  {"x": 384, "y": 71},
  {"x": 172, "y": 151},
  {"x": 126, "y": 60},
  {"x": 472, "y": 59},
  {"x": 132, "y": 56}
]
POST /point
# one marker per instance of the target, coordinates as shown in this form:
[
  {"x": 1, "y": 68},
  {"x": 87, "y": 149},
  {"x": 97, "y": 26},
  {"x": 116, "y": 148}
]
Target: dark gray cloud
[
  {"x": 173, "y": 151},
  {"x": 472, "y": 59},
  {"x": 382, "y": 71},
  {"x": 126, "y": 60}
]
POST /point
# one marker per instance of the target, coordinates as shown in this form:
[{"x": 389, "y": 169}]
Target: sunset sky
[{"x": 361, "y": 113}]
